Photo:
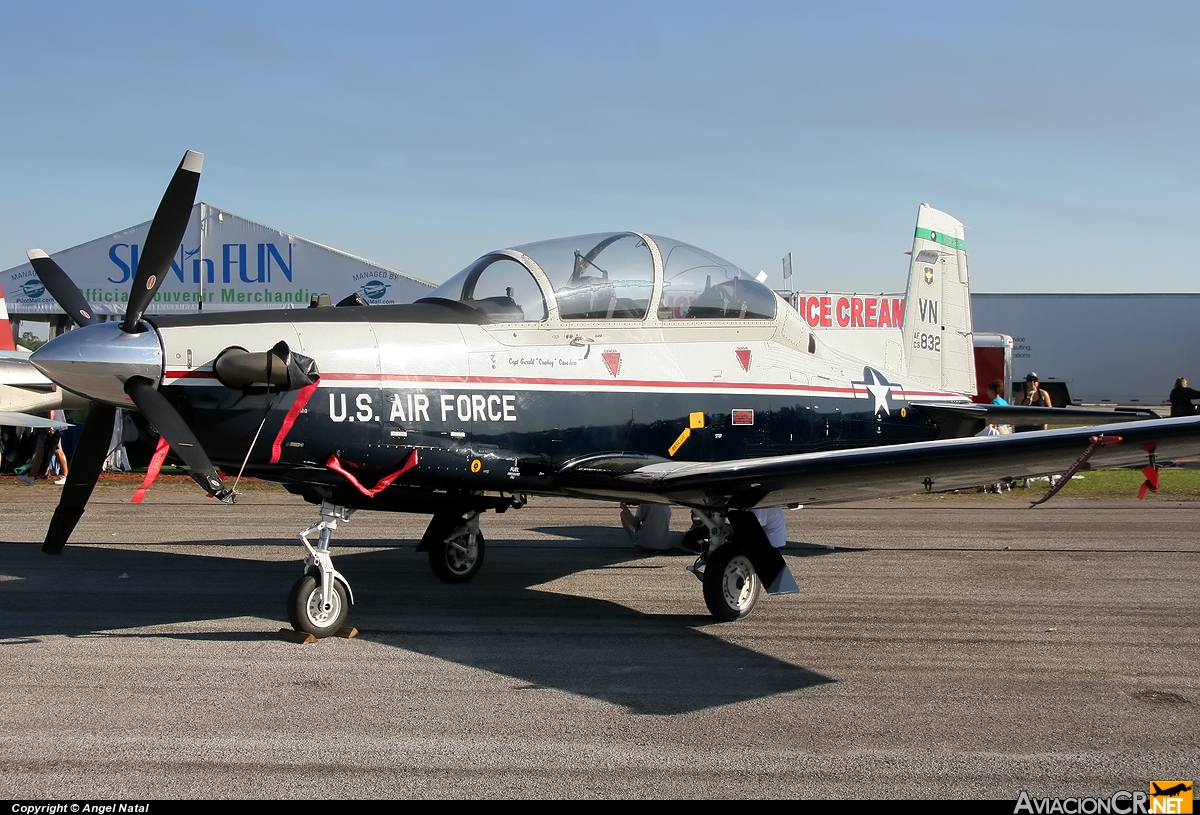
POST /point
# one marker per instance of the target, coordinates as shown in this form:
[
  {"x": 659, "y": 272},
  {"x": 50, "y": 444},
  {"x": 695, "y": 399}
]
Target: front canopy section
[{"x": 608, "y": 276}]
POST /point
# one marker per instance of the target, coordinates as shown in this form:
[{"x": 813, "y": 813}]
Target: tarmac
[{"x": 941, "y": 647}]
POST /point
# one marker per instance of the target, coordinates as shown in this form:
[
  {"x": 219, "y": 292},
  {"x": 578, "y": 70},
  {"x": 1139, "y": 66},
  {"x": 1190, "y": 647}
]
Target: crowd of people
[{"x": 44, "y": 453}]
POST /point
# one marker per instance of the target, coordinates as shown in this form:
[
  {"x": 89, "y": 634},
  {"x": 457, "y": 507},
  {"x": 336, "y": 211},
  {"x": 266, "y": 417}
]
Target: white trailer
[{"x": 1107, "y": 349}]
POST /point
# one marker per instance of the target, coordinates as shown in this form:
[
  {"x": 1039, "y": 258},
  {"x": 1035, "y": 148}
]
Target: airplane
[
  {"x": 1171, "y": 791},
  {"x": 617, "y": 366},
  {"x": 24, "y": 390}
]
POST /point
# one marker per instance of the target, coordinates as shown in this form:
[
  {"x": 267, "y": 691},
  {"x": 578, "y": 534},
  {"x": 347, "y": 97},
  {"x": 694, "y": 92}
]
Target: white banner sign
[{"x": 225, "y": 263}]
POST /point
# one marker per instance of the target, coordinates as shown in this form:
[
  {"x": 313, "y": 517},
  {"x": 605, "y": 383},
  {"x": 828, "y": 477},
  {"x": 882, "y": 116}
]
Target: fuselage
[
  {"x": 503, "y": 407},
  {"x": 527, "y": 361}
]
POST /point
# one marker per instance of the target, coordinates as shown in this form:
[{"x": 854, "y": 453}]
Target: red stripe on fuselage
[{"x": 606, "y": 384}]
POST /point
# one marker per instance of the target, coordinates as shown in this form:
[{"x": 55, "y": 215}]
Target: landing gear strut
[
  {"x": 738, "y": 563},
  {"x": 731, "y": 584},
  {"x": 320, "y": 600}
]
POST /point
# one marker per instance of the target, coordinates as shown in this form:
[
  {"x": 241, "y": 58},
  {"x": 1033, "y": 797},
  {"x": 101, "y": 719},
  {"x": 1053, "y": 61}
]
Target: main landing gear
[
  {"x": 455, "y": 546},
  {"x": 320, "y": 600},
  {"x": 736, "y": 563}
]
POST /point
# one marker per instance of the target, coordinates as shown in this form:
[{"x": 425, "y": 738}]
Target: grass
[{"x": 1173, "y": 483}]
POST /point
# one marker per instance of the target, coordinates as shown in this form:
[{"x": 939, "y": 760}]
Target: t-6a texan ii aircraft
[{"x": 617, "y": 366}]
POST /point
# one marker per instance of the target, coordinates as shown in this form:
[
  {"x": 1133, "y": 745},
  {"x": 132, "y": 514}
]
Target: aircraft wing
[
  {"x": 11, "y": 419},
  {"x": 878, "y": 472}
]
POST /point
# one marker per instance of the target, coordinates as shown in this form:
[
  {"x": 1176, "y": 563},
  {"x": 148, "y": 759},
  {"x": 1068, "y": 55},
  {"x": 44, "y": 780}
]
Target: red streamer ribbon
[
  {"x": 156, "y": 463},
  {"x": 385, "y": 482}
]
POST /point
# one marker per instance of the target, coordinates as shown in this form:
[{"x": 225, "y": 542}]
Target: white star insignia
[{"x": 879, "y": 390}]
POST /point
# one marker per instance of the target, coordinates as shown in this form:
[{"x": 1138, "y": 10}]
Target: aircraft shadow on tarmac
[{"x": 648, "y": 663}]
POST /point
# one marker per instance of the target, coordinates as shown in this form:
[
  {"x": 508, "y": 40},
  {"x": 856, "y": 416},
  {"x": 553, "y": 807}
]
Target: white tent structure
[{"x": 225, "y": 263}]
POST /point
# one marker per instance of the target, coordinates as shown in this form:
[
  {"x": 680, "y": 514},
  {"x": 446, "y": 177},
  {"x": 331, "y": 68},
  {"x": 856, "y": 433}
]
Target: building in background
[
  {"x": 225, "y": 263},
  {"x": 1098, "y": 349}
]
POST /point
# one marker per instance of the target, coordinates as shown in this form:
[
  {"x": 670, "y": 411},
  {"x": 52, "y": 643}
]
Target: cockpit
[{"x": 615, "y": 276}]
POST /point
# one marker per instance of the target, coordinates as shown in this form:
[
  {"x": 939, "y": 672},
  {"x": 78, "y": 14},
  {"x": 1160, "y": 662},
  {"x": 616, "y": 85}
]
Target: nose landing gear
[{"x": 319, "y": 601}]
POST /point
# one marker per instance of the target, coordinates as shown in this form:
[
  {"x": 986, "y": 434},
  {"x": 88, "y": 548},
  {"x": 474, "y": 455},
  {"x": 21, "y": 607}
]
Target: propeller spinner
[{"x": 119, "y": 365}]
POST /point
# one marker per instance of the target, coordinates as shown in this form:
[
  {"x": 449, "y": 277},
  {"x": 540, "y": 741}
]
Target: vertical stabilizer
[
  {"x": 6, "y": 335},
  {"x": 937, "y": 306}
]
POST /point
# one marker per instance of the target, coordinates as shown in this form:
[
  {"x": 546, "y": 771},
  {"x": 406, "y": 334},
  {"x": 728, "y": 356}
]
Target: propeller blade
[
  {"x": 81, "y": 475},
  {"x": 155, "y": 407},
  {"x": 162, "y": 242},
  {"x": 61, "y": 288}
]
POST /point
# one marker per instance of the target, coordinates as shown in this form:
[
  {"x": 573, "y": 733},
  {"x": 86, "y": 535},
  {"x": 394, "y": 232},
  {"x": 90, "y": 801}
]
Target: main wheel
[
  {"x": 731, "y": 586},
  {"x": 306, "y": 614},
  {"x": 457, "y": 560}
]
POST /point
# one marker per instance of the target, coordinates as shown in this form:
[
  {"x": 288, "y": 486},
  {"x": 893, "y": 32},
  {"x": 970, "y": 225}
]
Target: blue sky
[{"x": 1064, "y": 135}]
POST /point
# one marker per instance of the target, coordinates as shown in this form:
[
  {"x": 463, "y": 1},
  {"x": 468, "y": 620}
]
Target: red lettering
[
  {"x": 871, "y": 307},
  {"x": 825, "y": 312},
  {"x": 843, "y": 312},
  {"x": 813, "y": 317},
  {"x": 856, "y": 311},
  {"x": 898, "y": 313},
  {"x": 885, "y": 315}
]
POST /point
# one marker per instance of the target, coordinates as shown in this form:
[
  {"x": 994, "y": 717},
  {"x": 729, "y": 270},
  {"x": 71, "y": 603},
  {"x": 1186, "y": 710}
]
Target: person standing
[
  {"x": 774, "y": 525},
  {"x": 1181, "y": 398},
  {"x": 1035, "y": 396},
  {"x": 995, "y": 390}
]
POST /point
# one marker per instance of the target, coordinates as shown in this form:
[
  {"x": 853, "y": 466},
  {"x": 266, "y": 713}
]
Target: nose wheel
[
  {"x": 731, "y": 586},
  {"x": 319, "y": 601},
  {"x": 310, "y": 612}
]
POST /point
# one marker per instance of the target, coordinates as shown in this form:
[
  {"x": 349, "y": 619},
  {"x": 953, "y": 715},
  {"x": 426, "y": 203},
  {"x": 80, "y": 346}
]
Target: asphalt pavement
[{"x": 941, "y": 646}]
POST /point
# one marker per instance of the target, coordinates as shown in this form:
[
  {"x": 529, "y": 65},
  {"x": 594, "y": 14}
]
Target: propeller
[
  {"x": 98, "y": 359},
  {"x": 85, "y": 468},
  {"x": 164, "y": 237},
  {"x": 61, "y": 288},
  {"x": 155, "y": 407}
]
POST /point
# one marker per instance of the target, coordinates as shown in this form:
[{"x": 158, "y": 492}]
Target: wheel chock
[
  {"x": 298, "y": 637},
  {"x": 349, "y": 632}
]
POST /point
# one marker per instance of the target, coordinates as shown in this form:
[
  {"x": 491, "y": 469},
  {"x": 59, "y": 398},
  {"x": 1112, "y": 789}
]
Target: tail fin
[
  {"x": 937, "y": 306},
  {"x": 6, "y": 337}
]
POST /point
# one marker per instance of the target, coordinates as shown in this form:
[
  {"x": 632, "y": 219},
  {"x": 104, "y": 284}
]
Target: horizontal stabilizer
[
  {"x": 10, "y": 419},
  {"x": 967, "y": 420}
]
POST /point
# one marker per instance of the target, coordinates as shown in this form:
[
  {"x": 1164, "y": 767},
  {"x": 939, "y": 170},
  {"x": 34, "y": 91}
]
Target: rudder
[{"x": 936, "y": 330}]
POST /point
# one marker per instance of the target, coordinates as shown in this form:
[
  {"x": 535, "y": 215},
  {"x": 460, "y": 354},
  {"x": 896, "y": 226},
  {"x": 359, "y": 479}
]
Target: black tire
[
  {"x": 306, "y": 618},
  {"x": 452, "y": 565},
  {"x": 731, "y": 586}
]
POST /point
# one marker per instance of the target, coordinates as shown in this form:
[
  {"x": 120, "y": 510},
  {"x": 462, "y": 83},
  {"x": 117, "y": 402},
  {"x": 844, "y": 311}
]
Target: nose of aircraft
[{"x": 96, "y": 360}]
